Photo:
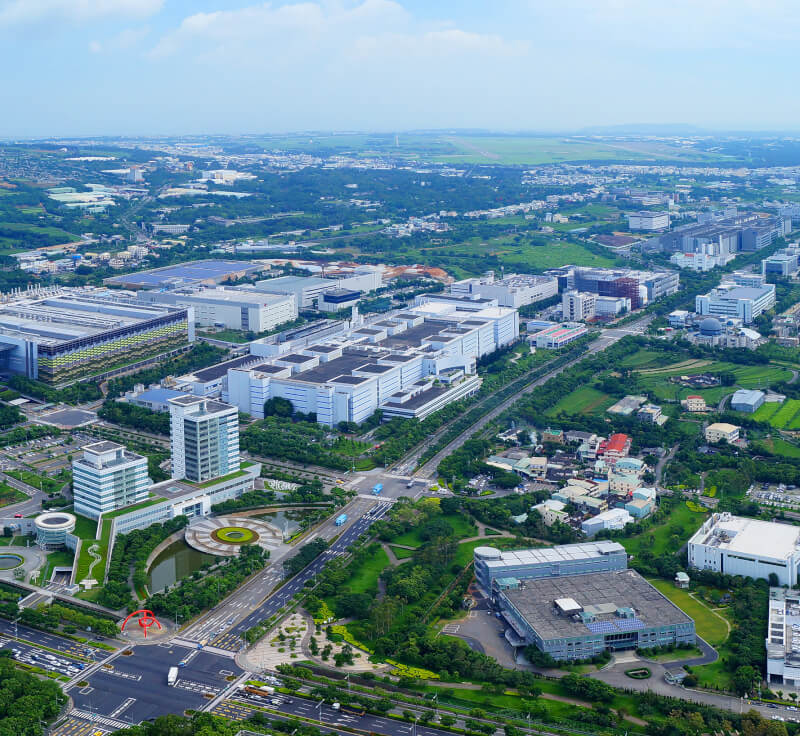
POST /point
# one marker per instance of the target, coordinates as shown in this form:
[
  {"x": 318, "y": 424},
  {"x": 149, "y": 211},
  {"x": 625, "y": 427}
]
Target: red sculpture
[{"x": 147, "y": 619}]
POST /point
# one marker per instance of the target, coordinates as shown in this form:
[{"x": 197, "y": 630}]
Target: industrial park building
[
  {"x": 513, "y": 290},
  {"x": 732, "y": 300},
  {"x": 308, "y": 290},
  {"x": 62, "y": 335},
  {"x": 648, "y": 220},
  {"x": 641, "y": 287},
  {"x": 567, "y": 559},
  {"x": 735, "y": 545},
  {"x": 408, "y": 363},
  {"x": 230, "y": 307},
  {"x": 576, "y": 601}
]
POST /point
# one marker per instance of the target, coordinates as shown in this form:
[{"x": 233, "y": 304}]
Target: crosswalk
[
  {"x": 197, "y": 687},
  {"x": 103, "y": 720}
]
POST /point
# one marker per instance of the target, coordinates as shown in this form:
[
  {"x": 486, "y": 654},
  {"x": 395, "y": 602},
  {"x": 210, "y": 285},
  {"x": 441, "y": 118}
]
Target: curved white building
[{"x": 52, "y": 528}]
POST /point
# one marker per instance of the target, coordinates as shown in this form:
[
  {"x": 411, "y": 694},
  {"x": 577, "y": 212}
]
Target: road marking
[{"x": 124, "y": 706}]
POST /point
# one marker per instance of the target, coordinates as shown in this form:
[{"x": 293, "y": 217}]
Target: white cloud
[
  {"x": 709, "y": 24},
  {"x": 36, "y": 12}
]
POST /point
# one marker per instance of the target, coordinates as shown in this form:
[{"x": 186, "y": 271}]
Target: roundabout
[{"x": 224, "y": 536}]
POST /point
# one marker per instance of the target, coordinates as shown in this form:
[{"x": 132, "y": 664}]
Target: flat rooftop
[
  {"x": 221, "y": 369},
  {"x": 740, "y": 535},
  {"x": 413, "y": 336},
  {"x": 343, "y": 366},
  {"x": 599, "y": 593},
  {"x": 562, "y": 553},
  {"x": 185, "y": 273},
  {"x": 415, "y": 402},
  {"x": 61, "y": 318}
]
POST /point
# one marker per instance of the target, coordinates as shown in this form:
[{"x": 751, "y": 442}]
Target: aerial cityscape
[{"x": 394, "y": 415}]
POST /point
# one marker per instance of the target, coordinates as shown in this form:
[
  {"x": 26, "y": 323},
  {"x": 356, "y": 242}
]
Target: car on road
[{"x": 17, "y": 516}]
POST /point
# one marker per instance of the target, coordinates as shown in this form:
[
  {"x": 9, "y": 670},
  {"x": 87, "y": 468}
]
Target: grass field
[
  {"x": 709, "y": 624},
  {"x": 781, "y": 447},
  {"x": 462, "y": 527},
  {"x": 401, "y": 553},
  {"x": 9, "y": 495},
  {"x": 59, "y": 558},
  {"x": 365, "y": 579},
  {"x": 682, "y": 520},
  {"x": 584, "y": 400}
]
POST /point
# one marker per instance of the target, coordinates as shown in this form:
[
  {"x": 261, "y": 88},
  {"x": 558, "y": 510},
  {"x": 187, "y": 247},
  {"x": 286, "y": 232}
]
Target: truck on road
[
  {"x": 341, "y": 519},
  {"x": 172, "y": 676},
  {"x": 376, "y": 489},
  {"x": 264, "y": 691}
]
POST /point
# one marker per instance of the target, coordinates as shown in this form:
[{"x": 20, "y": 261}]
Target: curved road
[{"x": 609, "y": 338}]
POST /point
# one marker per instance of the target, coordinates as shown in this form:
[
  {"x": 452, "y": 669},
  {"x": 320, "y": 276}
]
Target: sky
[{"x": 169, "y": 67}]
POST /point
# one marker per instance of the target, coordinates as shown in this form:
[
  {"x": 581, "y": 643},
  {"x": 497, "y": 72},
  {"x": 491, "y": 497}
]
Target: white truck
[{"x": 172, "y": 676}]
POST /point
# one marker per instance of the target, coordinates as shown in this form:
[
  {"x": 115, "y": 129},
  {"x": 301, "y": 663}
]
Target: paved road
[
  {"x": 223, "y": 627},
  {"x": 608, "y": 338}
]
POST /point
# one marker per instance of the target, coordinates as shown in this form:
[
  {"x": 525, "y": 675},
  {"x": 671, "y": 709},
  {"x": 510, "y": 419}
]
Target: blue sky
[{"x": 91, "y": 67}]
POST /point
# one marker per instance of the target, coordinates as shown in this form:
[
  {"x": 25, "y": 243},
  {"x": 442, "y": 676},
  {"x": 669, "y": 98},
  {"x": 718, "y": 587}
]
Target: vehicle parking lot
[{"x": 777, "y": 496}]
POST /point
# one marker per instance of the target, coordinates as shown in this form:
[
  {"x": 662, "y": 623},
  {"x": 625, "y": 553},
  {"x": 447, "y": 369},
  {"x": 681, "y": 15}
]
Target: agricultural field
[
  {"x": 779, "y": 446},
  {"x": 585, "y": 400},
  {"x": 780, "y": 416},
  {"x": 710, "y": 625}
]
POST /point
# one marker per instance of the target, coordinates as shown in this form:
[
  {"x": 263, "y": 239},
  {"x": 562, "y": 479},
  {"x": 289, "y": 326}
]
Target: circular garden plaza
[{"x": 225, "y": 535}]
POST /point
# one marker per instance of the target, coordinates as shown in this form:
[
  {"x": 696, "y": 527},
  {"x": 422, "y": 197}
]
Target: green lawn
[
  {"x": 584, "y": 400},
  {"x": 137, "y": 506},
  {"x": 642, "y": 359},
  {"x": 9, "y": 495},
  {"x": 463, "y": 528},
  {"x": 59, "y": 558},
  {"x": 682, "y": 520},
  {"x": 38, "y": 480},
  {"x": 365, "y": 579},
  {"x": 709, "y": 625},
  {"x": 400, "y": 553},
  {"x": 85, "y": 559}
]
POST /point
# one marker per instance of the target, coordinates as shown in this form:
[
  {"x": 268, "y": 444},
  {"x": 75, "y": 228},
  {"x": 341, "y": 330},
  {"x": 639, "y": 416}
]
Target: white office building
[
  {"x": 108, "y": 477},
  {"x": 648, "y": 221},
  {"x": 731, "y": 300},
  {"x": 578, "y": 306},
  {"x": 514, "y": 290},
  {"x": 735, "y": 545},
  {"x": 230, "y": 307},
  {"x": 611, "y": 519},
  {"x": 204, "y": 438}
]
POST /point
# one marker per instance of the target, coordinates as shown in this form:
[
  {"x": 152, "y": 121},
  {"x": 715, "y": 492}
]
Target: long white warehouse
[{"x": 735, "y": 545}]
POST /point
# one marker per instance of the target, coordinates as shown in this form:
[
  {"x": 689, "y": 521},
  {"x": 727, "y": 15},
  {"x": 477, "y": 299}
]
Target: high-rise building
[
  {"x": 108, "y": 477},
  {"x": 204, "y": 438}
]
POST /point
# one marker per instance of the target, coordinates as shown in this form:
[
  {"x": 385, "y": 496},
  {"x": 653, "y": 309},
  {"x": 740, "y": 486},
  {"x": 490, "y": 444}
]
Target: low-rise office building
[
  {"x": 557, "y": 336},
  {"x": 611, "y": 519},
  {"x": 736, "y": 545},
  {"x": 577, "y": 306},
  {"x": 720, "y": 431}
]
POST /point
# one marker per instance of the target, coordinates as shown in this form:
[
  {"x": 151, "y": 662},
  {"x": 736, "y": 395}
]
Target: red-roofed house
[{"x": 615, "y": 447}]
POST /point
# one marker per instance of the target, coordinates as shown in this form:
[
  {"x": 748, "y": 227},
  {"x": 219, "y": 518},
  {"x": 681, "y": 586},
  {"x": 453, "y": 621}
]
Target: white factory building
[
  {"x": 735, "y": 545},
  {"x": 513, "y": 290},
  {"x": 648, "y": 220},
  {"x": 408, "y": 363},
  {"x": 308, "y": 290},
  {"x": 732, "y": 300},
  {"x": 231, "y": 307}
]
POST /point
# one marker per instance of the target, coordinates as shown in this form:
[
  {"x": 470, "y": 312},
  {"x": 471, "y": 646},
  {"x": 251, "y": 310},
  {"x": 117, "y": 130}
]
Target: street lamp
[{"x": 319, "y": 709}]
